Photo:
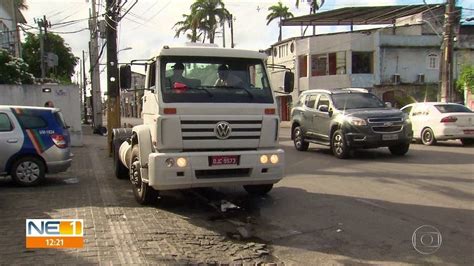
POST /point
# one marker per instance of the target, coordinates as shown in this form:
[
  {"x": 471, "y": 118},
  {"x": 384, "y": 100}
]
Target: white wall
[{"x": 65, "y": 97}]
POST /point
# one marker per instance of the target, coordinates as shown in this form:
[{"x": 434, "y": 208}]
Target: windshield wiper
[
  {"x": 246, "y": 90},
  {"x": 203, "y": 89}
]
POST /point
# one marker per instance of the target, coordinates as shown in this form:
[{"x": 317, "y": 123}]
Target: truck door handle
[{"x": 12, "y": 140}]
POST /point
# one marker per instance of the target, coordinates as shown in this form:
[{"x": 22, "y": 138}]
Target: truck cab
[{"x": 209, "y": 119}]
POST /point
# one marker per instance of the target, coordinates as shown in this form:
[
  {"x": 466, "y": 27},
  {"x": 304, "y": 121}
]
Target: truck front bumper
[{"x": 165, "y": 174}]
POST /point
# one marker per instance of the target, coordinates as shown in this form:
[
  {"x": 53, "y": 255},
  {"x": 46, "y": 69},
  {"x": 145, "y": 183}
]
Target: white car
[{"x": 433, "y": 121}]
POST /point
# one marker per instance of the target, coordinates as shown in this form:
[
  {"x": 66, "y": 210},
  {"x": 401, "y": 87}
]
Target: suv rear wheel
[
  {"x": 298, "y": 139},
  {"x": 338, "y": 145},
  {"x": 28, "y": 171},
  {"x": 399, "y": 149},
  {"x": 467, "y": 142}
]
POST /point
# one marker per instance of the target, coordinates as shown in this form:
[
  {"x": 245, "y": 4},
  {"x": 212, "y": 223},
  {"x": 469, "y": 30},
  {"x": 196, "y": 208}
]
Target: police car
[{"x": 33, "y": 141}]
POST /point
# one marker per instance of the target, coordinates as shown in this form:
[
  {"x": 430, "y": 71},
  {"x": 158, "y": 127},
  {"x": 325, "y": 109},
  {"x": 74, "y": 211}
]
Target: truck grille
[{"x": 205, "y": 129}]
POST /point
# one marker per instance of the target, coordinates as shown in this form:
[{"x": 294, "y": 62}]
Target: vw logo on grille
[{"x": 222, "y": 130}]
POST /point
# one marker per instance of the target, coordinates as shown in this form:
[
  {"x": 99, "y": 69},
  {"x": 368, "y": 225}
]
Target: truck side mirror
[
  {"x": 289, "y": 80},
  {"x": 388, "y": 104},
  {"x": 125, "y": 77}
]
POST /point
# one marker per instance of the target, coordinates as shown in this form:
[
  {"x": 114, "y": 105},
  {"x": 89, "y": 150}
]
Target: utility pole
[
  {"x": 84, "y": 86},
  {"x": 43, "y": 24},
  {"x": 94, "y": 68},
  {"x": 113, "y": 92},
  {"x": 231, "y": 31},
  {"x": 446, "y": 62},
  {"x": 223, "y": 34}
]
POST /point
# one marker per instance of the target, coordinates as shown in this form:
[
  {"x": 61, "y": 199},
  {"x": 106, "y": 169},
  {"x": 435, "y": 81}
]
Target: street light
[{"x": 124, "y": 49}]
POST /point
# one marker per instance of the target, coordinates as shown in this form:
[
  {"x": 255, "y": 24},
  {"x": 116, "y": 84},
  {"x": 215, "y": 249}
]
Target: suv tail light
[
  {"x": 59, "y": 140},
  {"x": 449, "y": 119}
]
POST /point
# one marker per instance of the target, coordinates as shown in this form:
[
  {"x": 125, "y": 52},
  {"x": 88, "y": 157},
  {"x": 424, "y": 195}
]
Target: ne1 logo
[{"x": 54, "y": 233}]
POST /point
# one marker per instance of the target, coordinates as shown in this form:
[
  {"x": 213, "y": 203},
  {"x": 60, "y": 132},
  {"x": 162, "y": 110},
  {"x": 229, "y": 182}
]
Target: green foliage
[
  {"x": 55, "y": 44},
  {"x": 206, "y": 16},
  {"x": 404, "y": 100},
  {"x": 466, "y": 78},
  {"x": 315, "y": 5},
  {"x": 13, "y": 70},
  {"x": 278, "y": 11}
]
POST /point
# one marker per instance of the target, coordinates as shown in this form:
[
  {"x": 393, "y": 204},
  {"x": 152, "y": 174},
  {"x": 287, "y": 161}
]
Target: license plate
[
  {"x": 224, "y": 160},
  {"x": 390, "y": 137},
  {"x": 469, "y": 131}
]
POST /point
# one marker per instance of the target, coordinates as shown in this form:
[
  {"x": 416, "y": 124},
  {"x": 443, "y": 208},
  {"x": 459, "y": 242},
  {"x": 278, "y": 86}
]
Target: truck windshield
[
  {"x": 218, "y": 79},
  {"x": 345, "y": 101}
]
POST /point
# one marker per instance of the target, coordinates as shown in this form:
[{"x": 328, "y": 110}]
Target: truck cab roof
[{"x": 206, "y": 51}]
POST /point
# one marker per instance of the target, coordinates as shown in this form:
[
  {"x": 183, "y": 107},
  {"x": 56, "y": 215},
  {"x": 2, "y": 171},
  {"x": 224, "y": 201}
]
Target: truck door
[{"x": 11, "y": 138}]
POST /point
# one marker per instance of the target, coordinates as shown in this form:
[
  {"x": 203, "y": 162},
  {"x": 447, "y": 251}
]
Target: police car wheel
[{"x": 28, "y": 171}]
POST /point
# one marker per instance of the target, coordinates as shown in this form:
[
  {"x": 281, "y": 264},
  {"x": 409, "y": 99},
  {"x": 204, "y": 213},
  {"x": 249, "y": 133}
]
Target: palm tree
[
  {"x": 210, "y": 13},
  {"x": 315, "y": 5},
  {"x": 278, "y": 11},
  {"x": 189, "y": 23}
]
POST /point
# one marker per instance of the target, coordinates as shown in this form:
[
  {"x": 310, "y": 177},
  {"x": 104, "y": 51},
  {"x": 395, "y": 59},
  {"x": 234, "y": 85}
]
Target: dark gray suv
[{"x": 347, "y": 119}]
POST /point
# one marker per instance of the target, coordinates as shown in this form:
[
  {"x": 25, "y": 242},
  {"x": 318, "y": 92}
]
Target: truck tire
[
  {"x": 28, "y": 171},
  {"x": 143, "y": 193},
  {"x": 298, "y": 139},
  {"x": 258, "y": 190},
  {"x": 120, "y": 170},
  {"x": 399, "y": 149},
  {"x": 339, "y": 146}
]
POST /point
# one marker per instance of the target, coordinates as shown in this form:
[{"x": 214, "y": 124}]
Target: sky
[{"x": 149, "y": 24}]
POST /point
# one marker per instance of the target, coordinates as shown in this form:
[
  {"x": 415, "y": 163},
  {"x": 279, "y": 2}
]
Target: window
[
  {"x": 362, "y": 63},
  {"x": 432, "y": 61},
  {"x": 5, "y": 124},
  {"x": 292, "y": 47},
  {"x": 275, "y": 52},
  {"x": 310, "y": 101},
  {"x": 318, "y": 65},
  {"x": 344, "y": 101},
  {"x": 452, "y": 108},
  {"x": 323, "y": 100},
  {"x": 152, "y": 75},
  {"x": 407, "y": 110},
  {"x": 328, "y": 64},
  {"x": 31, "y": 121},
  {"x": 303, "y": 65}
]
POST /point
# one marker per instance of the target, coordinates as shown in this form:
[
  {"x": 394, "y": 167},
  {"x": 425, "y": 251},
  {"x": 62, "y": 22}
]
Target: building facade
[
  {"x": 10, "y": 17},
  {"x": 131, "y": 101},
  {"x": 397, "y": 63}
]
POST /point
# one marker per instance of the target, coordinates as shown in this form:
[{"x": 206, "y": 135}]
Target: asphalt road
[
  {"x": 366, "y": 209},
  {"x": 325, "y": 211}
]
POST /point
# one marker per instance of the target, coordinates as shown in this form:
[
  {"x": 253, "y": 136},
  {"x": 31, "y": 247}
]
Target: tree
[
  {"x": 13, "y": 70},
  {"x": 189, "y": 23},
  {"x": 278, "y": 11},
  {"x": 466, "y": 78},
  {"x": 54, "y": 44},
  {"x": 209, "y": 14},
  {"x": 315, "y": 5}
]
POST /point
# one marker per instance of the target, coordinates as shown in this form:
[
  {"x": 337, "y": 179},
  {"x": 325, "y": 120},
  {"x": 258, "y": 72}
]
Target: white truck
[{"x": 198, "y": 131}]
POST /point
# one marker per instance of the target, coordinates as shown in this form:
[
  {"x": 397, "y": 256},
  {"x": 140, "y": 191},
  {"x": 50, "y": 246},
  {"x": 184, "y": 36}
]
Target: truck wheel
[
  {"x": 427, "y": 137},
  {"x": 258, "y": 190},
  {"x": 28, "y": 171},
  {"x": 338, "y": 145},
  {"x": 298, "y": 139},
  {"x": 144, "y": 194},
  {"x": 399, "y": 149},
  {"x": 121, "y": 172}
]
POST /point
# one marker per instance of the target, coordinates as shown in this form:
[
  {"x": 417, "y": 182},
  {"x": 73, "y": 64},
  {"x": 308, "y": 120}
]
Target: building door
[{"x": 284, "y": 105}]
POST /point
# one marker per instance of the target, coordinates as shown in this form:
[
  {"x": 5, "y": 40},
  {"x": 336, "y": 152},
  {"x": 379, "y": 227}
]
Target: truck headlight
[
  {"x": 274, "y": 159},
  {"x": 263, "y": 159},
  {"x": 357, "y": 121},
  {"x": 181, "y": 162}
]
